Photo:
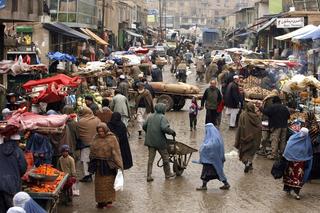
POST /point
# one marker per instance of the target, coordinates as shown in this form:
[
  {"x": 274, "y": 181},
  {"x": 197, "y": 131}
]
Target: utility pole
[
  {"x": 165, "y": 17},
  {"x": 160, "y": 15},
  {"x": 103, "y": 11}
]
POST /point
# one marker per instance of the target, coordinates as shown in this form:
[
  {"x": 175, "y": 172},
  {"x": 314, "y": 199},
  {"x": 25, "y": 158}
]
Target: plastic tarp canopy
[
  {"x": 266, "y": 25},
  {"x": 134, "y": 34},
  {"x": 94, "y": 36},
  {"x": 313, "y": 34},
  {"x": 295, "y": 33},
  {"x": 59, "y": 79},
  {"x": 65, "y": 30},
  {"x": 61, "y": 57}
]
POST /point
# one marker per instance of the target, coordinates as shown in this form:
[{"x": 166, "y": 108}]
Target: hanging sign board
[{"x": 290, "y": 22}]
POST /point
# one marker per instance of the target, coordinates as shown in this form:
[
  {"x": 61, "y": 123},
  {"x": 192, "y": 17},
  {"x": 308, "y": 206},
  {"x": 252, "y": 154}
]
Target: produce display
[
  {"x": 43, "y": 185},
  {"x": 96, "y": 97},
  {"x": 256, "y": 93}
]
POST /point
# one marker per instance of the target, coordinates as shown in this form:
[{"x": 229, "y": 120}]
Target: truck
[{"x": 210, "y": 37}]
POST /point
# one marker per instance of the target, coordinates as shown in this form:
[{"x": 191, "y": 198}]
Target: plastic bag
[
  {"x": 75, "y": 189},
  {"x": 119, "y": 181}
]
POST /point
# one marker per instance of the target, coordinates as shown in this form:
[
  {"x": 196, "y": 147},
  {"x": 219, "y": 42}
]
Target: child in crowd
[
  {"x": 67, "y": 165},
  {"x": 193, "y": 114}
]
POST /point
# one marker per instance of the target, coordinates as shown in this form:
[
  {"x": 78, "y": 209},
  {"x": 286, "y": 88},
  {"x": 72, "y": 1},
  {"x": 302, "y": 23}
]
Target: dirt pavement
[{"x": 256, "y": 191}]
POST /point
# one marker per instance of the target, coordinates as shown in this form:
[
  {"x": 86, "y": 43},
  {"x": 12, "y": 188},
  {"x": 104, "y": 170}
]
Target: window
[
  {"x": 14, "y": 5},
  {"x": 30, "y": 6}
]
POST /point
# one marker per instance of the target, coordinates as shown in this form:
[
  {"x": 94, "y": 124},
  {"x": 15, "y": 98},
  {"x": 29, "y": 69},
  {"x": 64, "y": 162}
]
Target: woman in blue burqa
[
  {"x": 212, "y": 158},
  {"x": 298, "y": 153}
]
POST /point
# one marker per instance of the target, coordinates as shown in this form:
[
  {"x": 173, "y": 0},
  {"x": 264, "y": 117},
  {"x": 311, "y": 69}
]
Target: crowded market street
[{"x": 256, "y": 191}]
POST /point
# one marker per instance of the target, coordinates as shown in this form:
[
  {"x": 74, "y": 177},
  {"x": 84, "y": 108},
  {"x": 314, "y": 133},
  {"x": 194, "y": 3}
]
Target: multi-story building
[
  {"x": 202, "y": 13},
  {"x": 18, "y": 11}
]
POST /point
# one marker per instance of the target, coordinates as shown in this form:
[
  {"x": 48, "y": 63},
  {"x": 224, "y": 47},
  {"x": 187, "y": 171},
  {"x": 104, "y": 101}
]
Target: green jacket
[{"x": 156, "y": 128}]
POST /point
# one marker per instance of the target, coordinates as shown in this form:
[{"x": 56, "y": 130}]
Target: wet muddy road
[{"x": 256, "y": 191}]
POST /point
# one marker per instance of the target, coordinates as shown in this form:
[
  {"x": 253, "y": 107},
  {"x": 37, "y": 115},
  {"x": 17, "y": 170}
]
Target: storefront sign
[
  {"x": 290, "y": 22},
  {"x": 151, "y": 18},
  {"x": 3, "y": 3}
]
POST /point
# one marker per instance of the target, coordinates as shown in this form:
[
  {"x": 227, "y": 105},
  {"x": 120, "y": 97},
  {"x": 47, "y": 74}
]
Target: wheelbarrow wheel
[{"x": 177, "y": 169}]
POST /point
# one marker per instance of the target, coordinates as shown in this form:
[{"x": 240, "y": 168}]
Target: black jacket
[
  {"x": 12, "y": 166},
  {"x": 278, "y": 115},
  {"x": 232, "y": 98}
]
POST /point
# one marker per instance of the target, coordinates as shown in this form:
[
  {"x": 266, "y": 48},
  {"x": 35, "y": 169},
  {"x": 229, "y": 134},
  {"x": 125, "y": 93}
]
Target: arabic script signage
[{"x": 290, "y": 22}]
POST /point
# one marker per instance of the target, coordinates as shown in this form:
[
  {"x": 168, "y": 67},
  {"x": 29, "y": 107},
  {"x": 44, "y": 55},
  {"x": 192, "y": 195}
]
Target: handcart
[{"x": 179, "y": 154}]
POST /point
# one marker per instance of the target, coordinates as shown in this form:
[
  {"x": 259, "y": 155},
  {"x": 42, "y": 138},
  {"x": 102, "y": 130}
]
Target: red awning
[{"x": 59, "y": 79}]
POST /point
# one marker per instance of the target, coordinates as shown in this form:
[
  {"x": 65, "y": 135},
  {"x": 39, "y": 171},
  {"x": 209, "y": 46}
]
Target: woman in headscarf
[
  {"x": 248, "y": 135},
  {"x": 314, "y": 131},
  {"x": 298, "y": 153},
  {"x": 105, "y": 160},
  {"x": 212, "y": 158},
  {"x": 70, "y": 133},
  {"x": 119, "y": 129},
  {"x": 23, "y": 200},
  {"x": 87, "y": 130}
]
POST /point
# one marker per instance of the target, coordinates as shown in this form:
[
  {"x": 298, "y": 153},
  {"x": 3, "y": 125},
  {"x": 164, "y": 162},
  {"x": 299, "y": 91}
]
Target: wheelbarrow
[{"x": 179, "y": 154}]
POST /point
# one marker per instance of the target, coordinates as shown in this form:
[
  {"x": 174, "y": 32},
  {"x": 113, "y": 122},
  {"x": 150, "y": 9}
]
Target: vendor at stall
[
  {"x": 91, "y": 104},
  {"x": 12, "y": 102}
]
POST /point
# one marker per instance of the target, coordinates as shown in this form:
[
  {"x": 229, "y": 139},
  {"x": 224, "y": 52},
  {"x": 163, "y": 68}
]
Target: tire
[
  {"x": 167, "y": 100},
  {"x": 179, "y": 103},
  {"x": 177, "y": 169}
]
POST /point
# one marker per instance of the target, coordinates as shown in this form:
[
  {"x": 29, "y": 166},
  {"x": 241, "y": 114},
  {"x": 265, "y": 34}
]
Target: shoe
[
  {"x": 201, "y": 188},
  {"x": 149, "y": 179},
  {"x": 170, "y": 176},
  {"x": 232, "y": 127},
  {"x": 246, "y": 168},
  {"x": 100, "y": 205},
  {"x": 271, "y": 157},
  {"x": 225, "y": 187},
  {"x": 191, "y": 129},
  {"x": 86, "y": 179},
  {"x": 297, "y": 197},
  {"x": 250, "y": 166},
  {"x": 262, "y": 152}
]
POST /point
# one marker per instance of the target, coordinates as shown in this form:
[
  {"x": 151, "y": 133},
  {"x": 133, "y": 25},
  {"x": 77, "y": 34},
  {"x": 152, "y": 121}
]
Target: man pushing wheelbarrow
[{"x": 156, "y": 127}]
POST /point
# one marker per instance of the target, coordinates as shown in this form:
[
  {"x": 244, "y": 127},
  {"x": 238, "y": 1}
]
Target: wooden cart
[
  {"x": 49, "y": 201},
  {"x": 174, "y": 101}
]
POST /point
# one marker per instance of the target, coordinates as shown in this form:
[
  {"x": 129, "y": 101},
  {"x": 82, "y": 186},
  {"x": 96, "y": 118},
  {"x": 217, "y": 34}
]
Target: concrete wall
[
  {"x": 22, "y": 14},
  {"x": 40, "y": 37}
]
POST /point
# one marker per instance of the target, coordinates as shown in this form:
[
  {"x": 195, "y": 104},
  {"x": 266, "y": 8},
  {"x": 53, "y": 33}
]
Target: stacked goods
[
  {"x": 158, "y": 86},
  {"x": 256, "y": 93},
  {"x": 251, "y": 81},
  {"x": 48, "y": 178},
  {"x": 160, "y": 61},
  {"x": 180, "y": 88},
  {"x": 300, "y": 83},
  {"x": 298, "y": 116}
]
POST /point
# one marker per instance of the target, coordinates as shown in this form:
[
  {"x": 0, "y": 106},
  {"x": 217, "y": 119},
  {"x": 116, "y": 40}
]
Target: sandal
[{"x": 202, "y": 188}]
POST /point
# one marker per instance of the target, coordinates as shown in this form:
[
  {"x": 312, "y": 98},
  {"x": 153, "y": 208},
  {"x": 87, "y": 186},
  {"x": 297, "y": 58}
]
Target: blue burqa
[
  {"x": 299, "y": 148},
  {"x": 212, "y": 150}
]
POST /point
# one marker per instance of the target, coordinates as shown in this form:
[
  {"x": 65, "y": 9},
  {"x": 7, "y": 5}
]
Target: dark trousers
[
  {"x": 212, "y": 116},
  {"x": 193, "y": 121},
  {"x": 5, "y": 201}
]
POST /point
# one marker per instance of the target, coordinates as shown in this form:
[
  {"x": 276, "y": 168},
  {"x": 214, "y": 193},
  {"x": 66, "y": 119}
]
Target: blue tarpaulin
[
  {"x": 312, "y": 34},
  {"x": 61, "y": 57}
]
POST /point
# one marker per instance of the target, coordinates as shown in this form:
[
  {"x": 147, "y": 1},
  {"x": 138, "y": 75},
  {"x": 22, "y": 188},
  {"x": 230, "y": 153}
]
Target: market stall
[{"x": 44, "y": 185}]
